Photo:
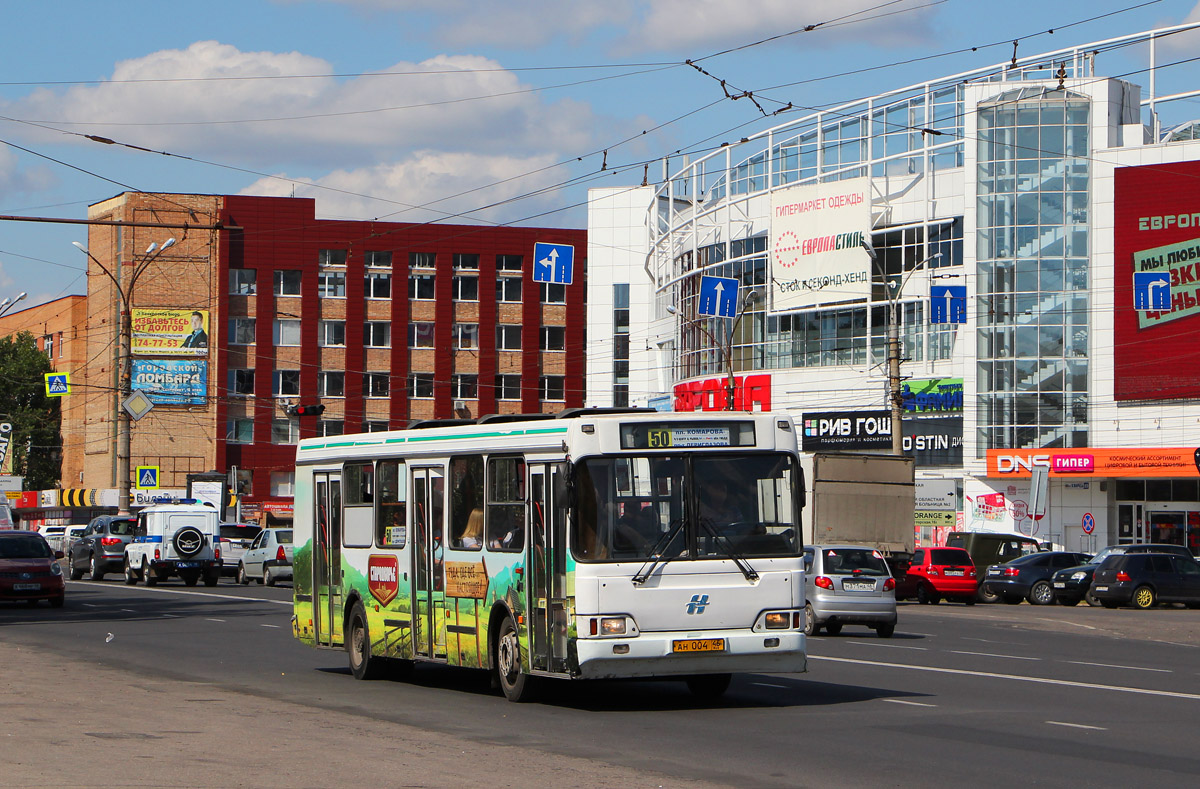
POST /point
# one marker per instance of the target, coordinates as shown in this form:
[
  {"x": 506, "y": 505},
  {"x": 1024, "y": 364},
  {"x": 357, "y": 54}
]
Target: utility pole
[{"x": 125, "y": 362}]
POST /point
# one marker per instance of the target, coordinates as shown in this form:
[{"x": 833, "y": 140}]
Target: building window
[
  {"x": 377, "y": 334},
  {"x": 422, "y": 260},
  {"x": 375, "y": 384},
  {"x": 286, "y": 383},
  {"x": 374, "y": 259},
  {"x": 551, "y": 387},
  {"x": 331, "y": 284},
  {"x": 243, "y": 281},
  {"x": 554, "y": 338},
  {"x": 331, "y": 384},
  {"x": 553, "y": 293},
  {"x": 241, "y": 331},
  {"x": 333, "y": 333},
  {"x": 466, "y": 288},
  {"x": 378, "y": 286},
  {"x": 508, "y": 387},
  {"x": 48, "y": 345},
  {"x": 287, "y": 332},
  {"x": 466, "y": 262},
  {"x": 283, "y": 431},
  {"x": 374, "y": 426},
  {"x": 420, "y": 385},
  {"x": 508, "y": 337},
  {"x": 508, "y": 289},
  {"x": 331, "y": 427},
  {"x": 287, "y": 283},
  {"x": 420, "y": 335},
  {"x": 508, "y": 262},
  {"x": 239, "y": 431},
  {"x": 283, "y": 483},
  {"x": 466, "y": 336},
  {"x": 464, "y": 387},
  {"x": 241, "y": 382},
  {"x": 620, "y": 387},
  {"x": 331, "y": 257},
  {"x": 420, "y": 287}
]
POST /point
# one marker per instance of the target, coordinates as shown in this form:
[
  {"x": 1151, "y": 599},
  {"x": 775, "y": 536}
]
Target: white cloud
[
  {"x": 390, "y": 191},
  {"x": 16, "y": 180},
  {"x": 331, "y": 122}
]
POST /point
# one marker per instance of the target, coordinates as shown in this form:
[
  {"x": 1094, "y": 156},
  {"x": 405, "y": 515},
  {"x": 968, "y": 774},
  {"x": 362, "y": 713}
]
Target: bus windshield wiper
[
  {"x": 656, "y": 558},
  {"x": 738, "y": 559}
]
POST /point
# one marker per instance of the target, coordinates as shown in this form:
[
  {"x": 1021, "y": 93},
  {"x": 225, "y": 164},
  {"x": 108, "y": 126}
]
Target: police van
[{"x": 181, "y": 538}]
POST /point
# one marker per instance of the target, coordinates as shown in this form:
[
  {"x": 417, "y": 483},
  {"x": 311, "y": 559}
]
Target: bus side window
[
  {"x": 391, "y": 530},
  {"x": 506, "y": 504},
  {"x": 466, "y": 502}
]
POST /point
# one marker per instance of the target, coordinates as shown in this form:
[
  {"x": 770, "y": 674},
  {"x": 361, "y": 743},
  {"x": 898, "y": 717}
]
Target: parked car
[
  {"x": 54, "y": 535},
  {"x": 269, "y": 558},
  {"x": 1074, "y": 583},
  {"x": 848, "y": 585},
  {"x": 1029, "y": 577},
  {"x": 938, "y": 573},
  {"x": 235, "y": 539},
  {"x": 1146, "y": 579},
  {"x": 175, "y": 539},
  {"x": 101, "y": 547},
  {"x": 29, "y": 569},
  {"x": 988, "y": 548}
]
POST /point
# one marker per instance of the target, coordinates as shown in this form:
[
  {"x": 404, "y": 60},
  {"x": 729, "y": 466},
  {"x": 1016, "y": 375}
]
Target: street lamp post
[
  {"x": 725, "y": 346},
  {"x": 125, "y": 363},
  {"x": 7, "y": 305}
]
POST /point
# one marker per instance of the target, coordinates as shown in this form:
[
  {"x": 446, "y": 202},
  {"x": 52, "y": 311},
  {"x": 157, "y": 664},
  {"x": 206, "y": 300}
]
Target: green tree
[{"x": 35, "y": 447}]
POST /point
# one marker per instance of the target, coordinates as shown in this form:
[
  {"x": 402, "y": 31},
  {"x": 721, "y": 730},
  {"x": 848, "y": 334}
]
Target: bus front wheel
[
  {"x": 363, "y": 665},
  {"x": 516, "y": 684}
]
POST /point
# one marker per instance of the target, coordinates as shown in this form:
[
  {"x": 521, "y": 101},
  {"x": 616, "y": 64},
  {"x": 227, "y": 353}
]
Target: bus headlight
[
  {"x": 777, "y": 620},
  {"x": 612, "y": 626}
]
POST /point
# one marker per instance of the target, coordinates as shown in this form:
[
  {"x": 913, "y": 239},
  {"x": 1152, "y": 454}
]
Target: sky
[{"x": 462, "y": 111}]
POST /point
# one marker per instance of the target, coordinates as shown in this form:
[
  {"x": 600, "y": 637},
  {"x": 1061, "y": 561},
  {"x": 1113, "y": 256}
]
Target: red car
[
  {"x": 29, "y": 569},
  {"x": 939, "y": 572}
]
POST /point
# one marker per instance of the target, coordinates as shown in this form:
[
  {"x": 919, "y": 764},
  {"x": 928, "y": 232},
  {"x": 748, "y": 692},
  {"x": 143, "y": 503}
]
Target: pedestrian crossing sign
[
  {"x": 147, "y": 478},
  {"x": 58, "y": 384}
]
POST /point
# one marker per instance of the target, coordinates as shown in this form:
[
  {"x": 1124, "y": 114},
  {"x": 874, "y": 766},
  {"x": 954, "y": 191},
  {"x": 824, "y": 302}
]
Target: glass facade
[{"x": 1033, "y": 273}]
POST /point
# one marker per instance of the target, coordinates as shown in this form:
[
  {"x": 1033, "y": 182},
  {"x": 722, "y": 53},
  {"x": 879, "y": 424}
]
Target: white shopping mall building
[{"x": 1033, "y": 226}]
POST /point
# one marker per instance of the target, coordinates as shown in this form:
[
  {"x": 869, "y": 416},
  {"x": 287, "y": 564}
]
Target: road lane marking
[
  {"x": 889, "y": 646},
  {"x": 200, "y": 594},
  {"x": 1065, "y": 622},
  {"x": 984, "y": 640},
  {"x": 171, "y": 616},
  {"x": 275, "y": 626},
  {"x": 1067, "y": 683},
  {"x": 128, "y": 610},
  {"x": 769, "y": 685},
  {"x": 992, "y": 654},
  {"x": 210, "y": 619},
  {"x": 1077, "y": 725},
  {"x": 910, "y": 703},
  {"x": 90, "y": 605},
  {"x": 1113, "y": 665}
]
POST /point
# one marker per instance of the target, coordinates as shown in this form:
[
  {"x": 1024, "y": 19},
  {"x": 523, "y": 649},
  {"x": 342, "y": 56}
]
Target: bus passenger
[{"x": 472, "y": 534}]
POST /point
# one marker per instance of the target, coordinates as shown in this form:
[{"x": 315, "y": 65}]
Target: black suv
[
  {"x": 101, "y": 547},
  {"x": 1145, "y": 579},
  {"x": 1074, "y": 583}
]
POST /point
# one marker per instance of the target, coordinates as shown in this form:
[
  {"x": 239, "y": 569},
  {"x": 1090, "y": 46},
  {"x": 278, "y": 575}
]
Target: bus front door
[
  {"x": 429, "y": 575},
  {"x": 327, "y": 559},
  {"x": 548, "y": 564}
]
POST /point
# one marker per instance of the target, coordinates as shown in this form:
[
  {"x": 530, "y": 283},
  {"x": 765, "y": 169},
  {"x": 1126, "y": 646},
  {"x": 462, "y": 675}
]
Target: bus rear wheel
[
  {"x": 358, "y": 646},
  {"x": 709, "y": 686},
  {"x": 516, "y": 684}
]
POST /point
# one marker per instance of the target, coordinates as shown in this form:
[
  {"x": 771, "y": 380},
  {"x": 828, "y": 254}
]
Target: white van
[{"x": 175, "y": 539}]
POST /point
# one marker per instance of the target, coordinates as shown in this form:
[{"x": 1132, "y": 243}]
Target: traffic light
[{"x": 307, "y": 410}]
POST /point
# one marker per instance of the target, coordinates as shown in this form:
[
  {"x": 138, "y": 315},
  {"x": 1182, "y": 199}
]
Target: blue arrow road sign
[
  {"x": 554, "y": 263},
  {"x": 718, "y": 297},
  {"x": 1152, "y": 290},
  {"x": 947, "y": 303}
]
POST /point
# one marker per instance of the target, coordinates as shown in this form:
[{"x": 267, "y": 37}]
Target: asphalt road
[{"x": 986, "y": 695}]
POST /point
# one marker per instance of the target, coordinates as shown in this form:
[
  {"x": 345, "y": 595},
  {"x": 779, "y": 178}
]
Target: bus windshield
[{"x": 707, "y": 506}]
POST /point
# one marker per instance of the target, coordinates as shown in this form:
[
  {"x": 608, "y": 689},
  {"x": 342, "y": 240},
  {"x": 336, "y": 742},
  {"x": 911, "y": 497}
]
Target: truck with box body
[{"x": 862, "y": 499}]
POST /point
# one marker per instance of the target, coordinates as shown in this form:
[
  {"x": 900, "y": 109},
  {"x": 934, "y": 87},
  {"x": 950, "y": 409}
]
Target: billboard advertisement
[
  {"x": 931, "y": 396},
  {"x": 171, "y": 381},
  {"x": 846, "y": 430},
  {"x": 817, "y": 255},
  {"x": 1156, "y": 245},
  {"x": 936, "y": 441},
  {"x": 170, "y": 332}
]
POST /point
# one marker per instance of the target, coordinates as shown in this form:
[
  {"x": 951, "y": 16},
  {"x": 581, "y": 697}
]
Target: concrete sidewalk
[{"x": 182, "y": 734}]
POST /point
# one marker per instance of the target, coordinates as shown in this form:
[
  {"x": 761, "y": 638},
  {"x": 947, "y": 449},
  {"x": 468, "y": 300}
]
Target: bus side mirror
[{"x": 564, "y": 485}]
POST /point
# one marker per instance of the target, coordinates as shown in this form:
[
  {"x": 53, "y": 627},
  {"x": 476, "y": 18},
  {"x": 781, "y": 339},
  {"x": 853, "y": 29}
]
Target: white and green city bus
[{"x": 593, "y": 543}]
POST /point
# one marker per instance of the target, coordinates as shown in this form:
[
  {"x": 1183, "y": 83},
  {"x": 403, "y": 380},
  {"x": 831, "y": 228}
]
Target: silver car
[{"x": 848, "y": 584}]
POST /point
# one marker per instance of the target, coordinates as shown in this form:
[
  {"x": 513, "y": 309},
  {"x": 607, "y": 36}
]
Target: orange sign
[
  {"x": 1090, "y": 462},
  {"x": 466, "y": 579}
]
